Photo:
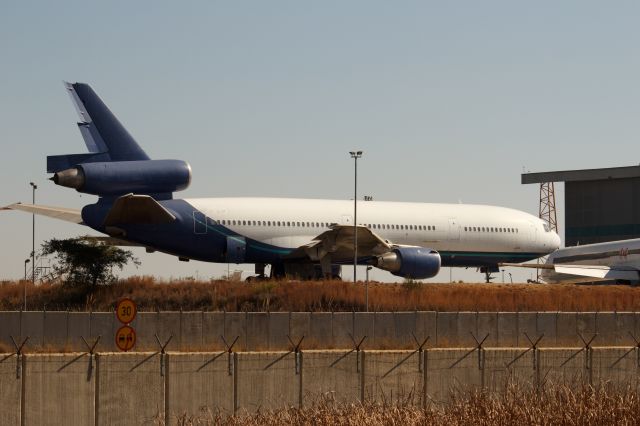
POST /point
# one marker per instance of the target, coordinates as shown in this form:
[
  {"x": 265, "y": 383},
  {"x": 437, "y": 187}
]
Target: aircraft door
[
  {"x": 199, "y": 222},
  {"x": 236, "y": 249},
  {"x": 533, "y": 232},
  {"x": 454, "y": 229},
  {"x": 346, "y": 220}
]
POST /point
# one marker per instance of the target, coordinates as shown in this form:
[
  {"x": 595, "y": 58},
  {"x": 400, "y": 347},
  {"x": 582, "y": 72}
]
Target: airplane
[
  {"x": 613, "y": 261},
  {"x": 302, "y": 238}
]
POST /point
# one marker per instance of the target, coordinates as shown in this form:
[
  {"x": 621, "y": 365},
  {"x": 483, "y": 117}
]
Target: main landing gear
[{"x": 487, "y": 271}]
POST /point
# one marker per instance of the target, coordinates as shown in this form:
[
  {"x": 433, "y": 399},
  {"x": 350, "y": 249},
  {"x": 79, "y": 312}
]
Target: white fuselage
[{"x": 444, "y": 227}]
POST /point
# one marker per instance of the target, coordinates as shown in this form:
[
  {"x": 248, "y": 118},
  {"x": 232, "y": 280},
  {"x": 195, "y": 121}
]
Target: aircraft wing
[
  {"x": 528, "y": 265},
  {"x": 616, "y": 272},
  {"x": 69, "y": 215},
  {"x": 603, "y": 272},
  {"x": 338, "y": 244},
  {"x": 111, "y": 241}
]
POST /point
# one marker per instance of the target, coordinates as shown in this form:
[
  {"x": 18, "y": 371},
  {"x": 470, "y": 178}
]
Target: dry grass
[
  {"x": 152, "y": 294},
  {"x": 559, "y": 405}
]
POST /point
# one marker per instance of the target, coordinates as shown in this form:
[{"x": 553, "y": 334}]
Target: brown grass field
[
  {"x": 558, "y": 405},
  {"x": 152, "y": 294}
]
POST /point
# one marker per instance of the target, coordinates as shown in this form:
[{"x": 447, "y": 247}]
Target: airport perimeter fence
[
  {"x": 270, "y": 331},
  {"x": 170, "y": 387}
]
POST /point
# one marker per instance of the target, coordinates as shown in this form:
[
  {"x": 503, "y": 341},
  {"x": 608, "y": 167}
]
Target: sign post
[{"x": 126, "y": 311}]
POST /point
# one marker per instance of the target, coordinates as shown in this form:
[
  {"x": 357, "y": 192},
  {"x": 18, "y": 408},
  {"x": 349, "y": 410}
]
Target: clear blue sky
[{"x": 448, "y": 100}]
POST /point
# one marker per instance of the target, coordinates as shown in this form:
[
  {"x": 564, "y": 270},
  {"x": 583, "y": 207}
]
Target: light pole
[
  {"x": 355, "y": 155},
  {"x": 33, "y": 241},
  {"x": 24, "y": 285}
]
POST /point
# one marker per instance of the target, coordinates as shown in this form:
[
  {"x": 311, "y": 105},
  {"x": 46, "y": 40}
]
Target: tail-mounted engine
[{"x": 123, "y": 177}]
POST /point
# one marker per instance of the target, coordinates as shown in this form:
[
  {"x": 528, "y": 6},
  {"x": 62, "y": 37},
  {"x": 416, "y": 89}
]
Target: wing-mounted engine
[
  {"x": 123, "y": 177},
  {"x": 410, "y": 262}
]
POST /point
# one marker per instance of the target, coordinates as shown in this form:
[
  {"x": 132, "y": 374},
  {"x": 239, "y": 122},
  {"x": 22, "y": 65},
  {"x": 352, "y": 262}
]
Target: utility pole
[
  {"x": 33, "y": 240},
  {"x": 24, "y": 283}
]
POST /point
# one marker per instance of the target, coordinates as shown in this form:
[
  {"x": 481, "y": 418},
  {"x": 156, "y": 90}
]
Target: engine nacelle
[
  {"x": 123, "y": 177},
  {"x": 411, "y": 262}
]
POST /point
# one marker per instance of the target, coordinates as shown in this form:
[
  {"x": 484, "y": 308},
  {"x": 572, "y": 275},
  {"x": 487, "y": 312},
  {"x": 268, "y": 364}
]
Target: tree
[{"x": 85, "y": 261}]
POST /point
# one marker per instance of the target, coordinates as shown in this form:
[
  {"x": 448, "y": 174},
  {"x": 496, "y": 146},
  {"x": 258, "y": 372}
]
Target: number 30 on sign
[{"x": 126, "y": 310}]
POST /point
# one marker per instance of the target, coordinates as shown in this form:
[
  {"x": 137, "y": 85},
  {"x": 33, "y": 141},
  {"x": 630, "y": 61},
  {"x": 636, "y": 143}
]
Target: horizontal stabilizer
[
  {"x": 69, "y": 215},
  {"x": 58, "y": 163},
  {"x": 137, "y": 209}
]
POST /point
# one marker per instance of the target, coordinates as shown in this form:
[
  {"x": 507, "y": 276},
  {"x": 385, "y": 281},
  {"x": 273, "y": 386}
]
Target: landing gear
[
  {"x": 487, "y": 271},
  {"x": 261, "y": 275},
  {"x": 304, "y": 271},
  {"x": 256, "y": 278}
]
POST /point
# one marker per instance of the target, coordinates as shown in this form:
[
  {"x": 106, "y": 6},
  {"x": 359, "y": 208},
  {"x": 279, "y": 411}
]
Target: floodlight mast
[{"x": 355, "y": 155}]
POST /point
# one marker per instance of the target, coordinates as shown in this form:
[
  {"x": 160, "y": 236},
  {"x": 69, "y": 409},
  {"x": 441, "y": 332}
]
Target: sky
[{"x": 450, "y": 101}]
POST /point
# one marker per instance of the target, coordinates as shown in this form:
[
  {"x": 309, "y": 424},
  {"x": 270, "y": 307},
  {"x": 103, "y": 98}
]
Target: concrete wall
[
  {"x": 332, "y": 374},
  {"x": 451, "y": 371},
  {"x": 130, "y": 389},
  {"x": 261, "y": 331},
  {"x": 10, "y": 389},
  {"x": 59, "y": 386},
  {"x": 394, "y": 377},
  {"x": 141, "y": 388},
  {"x": 198, "y": 384},
  {"x": 268, "y": 380}
]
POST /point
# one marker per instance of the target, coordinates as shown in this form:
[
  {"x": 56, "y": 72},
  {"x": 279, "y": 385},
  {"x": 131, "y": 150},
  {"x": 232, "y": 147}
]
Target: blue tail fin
[{"x": 105, "y": 137}]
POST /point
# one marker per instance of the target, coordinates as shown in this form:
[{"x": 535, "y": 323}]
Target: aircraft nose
[{"x": 556, "y": 241}]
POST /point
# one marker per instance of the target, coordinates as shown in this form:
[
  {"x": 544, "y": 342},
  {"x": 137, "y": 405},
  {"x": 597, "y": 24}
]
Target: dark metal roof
[{"x": 582, "y": 175}]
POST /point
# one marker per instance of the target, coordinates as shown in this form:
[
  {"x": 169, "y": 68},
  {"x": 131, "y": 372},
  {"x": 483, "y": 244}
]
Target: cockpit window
[{"x": 546, "y": 227}]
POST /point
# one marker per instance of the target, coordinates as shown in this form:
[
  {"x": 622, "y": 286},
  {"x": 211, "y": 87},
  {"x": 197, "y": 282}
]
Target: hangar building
[{"x": 600, "y": 204}]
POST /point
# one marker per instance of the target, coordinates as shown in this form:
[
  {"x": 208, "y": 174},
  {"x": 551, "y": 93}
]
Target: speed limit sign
[{"x": 126, "y": 310}]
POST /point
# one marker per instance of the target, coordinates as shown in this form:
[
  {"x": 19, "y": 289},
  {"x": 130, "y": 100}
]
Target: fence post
[
  {"x": 235, "y": 382},
  {"x": 91, "y": 351},
  {"x": 588, "y": 356},
  {"x": 297, "y": 353},
  {"x": 480, "y": 356},
  {"x": 359, "y": 361}
]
